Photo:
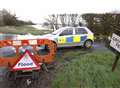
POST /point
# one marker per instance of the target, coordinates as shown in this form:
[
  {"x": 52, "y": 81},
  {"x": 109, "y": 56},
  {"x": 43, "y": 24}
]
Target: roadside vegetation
[
  {"x": 22, "y": 30},
  {"x": 92, "y": 70},
  {"x": 11, "y": 24}
]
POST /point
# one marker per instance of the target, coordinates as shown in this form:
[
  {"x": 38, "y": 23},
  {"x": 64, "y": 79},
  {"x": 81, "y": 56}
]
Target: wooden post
[{"x": 115, "y": 63}]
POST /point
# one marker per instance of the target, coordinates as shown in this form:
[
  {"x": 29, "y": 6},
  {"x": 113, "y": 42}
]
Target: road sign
[
  {"x": 26, "y": 61},
  {"x": 115, "y": 42},
  {"x": 115, "y": 47}
]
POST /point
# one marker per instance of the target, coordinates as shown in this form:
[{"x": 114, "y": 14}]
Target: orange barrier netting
[{"x": 10, "y": 61}]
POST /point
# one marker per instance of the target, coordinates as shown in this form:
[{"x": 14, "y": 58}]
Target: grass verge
[{"x": 92, "y": 70}]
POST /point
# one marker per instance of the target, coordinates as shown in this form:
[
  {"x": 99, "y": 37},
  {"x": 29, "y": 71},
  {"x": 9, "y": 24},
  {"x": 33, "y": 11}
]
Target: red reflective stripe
[
  {"x": 40, "y": 41},
  {"x": 8, "y": 42},
  {"x": 25, "y": 42}
]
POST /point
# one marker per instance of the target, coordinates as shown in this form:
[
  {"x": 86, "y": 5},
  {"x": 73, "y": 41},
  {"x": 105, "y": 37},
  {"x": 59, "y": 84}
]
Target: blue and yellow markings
[
  {"x": 69, "y": 39},
  {"x": 76, "y": 38},
  {"x": 83, "y": 38},
  {"x": 90, "y": 37},
  {"x": 62, "y": 40},
  {"x": 72, "y": 39}
]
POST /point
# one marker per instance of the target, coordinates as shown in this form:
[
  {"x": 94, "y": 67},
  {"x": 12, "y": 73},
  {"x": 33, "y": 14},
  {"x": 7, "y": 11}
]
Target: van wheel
[{"x": 88, "y": 44}]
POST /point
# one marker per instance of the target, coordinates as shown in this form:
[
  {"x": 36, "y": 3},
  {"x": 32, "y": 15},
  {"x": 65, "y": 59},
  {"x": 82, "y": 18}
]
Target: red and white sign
[{"x": 26, "y": 62}]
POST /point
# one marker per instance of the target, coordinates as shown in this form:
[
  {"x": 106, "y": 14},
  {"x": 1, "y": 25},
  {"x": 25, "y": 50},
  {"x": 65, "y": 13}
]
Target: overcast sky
[{"x": 36, "y": 10}]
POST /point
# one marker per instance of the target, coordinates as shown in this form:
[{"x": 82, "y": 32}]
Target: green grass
[
  {"x": 92, "y": 70},
  {"x": 22, "y": 30}
]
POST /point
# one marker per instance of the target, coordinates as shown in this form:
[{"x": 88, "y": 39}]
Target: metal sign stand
[{"x": 115, "y": 62}]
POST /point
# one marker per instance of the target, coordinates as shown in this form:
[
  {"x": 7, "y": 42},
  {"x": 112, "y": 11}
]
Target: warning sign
[
  {"x": 26, "y": 61},
  {"x": 115, "y": 42}
]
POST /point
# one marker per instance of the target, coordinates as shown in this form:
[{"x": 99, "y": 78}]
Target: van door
[
  {"x": 65, "y": 38},
  {"x": 80, "y": 36}
]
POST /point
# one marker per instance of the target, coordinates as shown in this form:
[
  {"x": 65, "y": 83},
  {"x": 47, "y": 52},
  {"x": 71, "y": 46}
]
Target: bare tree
[
  {"x": 74, "y": 19},
  {"x": 52, "y": 20},
  {"x": 63, "y": 19}
]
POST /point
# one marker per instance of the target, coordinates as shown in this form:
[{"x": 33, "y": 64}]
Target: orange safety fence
[{"x": 10, "y": 61}]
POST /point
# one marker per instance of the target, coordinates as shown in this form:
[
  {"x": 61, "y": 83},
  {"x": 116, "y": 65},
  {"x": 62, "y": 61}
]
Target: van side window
[
  {"x": 68, "y": 31},
  {"x": 80, "y": 31}
]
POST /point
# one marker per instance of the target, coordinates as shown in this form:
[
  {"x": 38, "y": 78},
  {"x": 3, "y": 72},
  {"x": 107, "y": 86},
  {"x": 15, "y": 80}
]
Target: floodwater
[
  {"x": 7, "y": 36},
  {"x": 6, "y": 51}
]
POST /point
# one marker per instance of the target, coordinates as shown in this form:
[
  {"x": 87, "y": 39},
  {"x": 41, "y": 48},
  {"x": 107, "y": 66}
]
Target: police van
[{"x": 72, "y": 36}]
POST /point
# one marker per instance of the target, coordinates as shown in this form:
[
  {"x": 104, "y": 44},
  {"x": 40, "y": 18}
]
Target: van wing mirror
[{"x": 61, "y": 34}]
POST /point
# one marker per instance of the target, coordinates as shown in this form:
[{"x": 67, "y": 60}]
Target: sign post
[
  {"x": 115, "y": 45},
  {"x": 115, "y": 63}
]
